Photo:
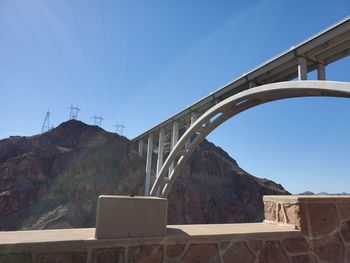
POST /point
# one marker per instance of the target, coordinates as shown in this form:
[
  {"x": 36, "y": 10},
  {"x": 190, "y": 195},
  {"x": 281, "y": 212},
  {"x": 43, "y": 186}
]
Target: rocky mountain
[{"x": 53, "y": 180}]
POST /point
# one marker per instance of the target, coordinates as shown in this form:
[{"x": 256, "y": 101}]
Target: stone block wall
[
  {"x": 296, "y": 230},
  {"x": 324, "y": 222},
  {"x": 245, "y": 250}
]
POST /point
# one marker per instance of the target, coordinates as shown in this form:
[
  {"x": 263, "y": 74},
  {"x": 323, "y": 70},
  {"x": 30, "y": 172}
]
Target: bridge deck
[{"x": 328, "y": 46}]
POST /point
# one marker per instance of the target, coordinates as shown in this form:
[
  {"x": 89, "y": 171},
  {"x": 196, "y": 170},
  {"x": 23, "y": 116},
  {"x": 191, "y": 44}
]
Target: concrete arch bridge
[
  {"x": 282, "y": 77},
  {"x": 227, "y": 109}
]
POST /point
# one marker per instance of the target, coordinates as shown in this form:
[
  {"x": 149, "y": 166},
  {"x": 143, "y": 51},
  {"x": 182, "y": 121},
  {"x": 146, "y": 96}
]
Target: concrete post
[
  {"x": 302, "y": 68},
  {"x": 175, "y": 134},
  {"x": 321, "y": 71},
  {"x": 174, "y": 139},
  {"x": 141, "y": 147},
  {"x": 160, "y": 150},
  {"x": 160, "y": 153},
  {"x": 194, "y": 116},
  {"x": 128, "y": 217},
  {"x": 148, "y": 163}
]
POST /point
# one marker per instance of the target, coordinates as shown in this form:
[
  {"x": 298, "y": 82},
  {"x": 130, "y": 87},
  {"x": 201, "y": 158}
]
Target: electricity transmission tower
[
  {"x": 119, "y": 128},
  {"x": 97, "y": 120},
  {"x": 73, "y": 114},
  {"x": 46, "y": 124}
]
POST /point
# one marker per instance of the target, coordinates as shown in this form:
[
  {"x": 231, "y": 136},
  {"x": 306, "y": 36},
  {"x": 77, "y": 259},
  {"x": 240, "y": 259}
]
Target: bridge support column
[
  {"x": 321, "y": 71},
  {"x": 141, "y": 147},
  {"x": 174, "y": 139},
  {"x": 160, "y": 150},
  {"x": 302, "y": 68},
  {"x": 148, "y": 163},
  {"x": 194, "y": 116}
]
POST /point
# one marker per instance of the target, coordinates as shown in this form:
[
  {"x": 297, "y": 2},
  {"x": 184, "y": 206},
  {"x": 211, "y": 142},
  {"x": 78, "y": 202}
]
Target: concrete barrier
[
  {"x": 130, "y": 216},
  {"x": 297, "y": 229}
]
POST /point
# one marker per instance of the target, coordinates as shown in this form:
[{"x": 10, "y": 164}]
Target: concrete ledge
[
  {"x": 323, "y": 236},
  {"x": 193, "y": 233},
  {"x": 313, "y": 215},
  {"x": 324, "y": 222},
  {"x": 125, "y": 216},
  {"x": 182, "y": 243},
  {"x": 293, "y": 199}
]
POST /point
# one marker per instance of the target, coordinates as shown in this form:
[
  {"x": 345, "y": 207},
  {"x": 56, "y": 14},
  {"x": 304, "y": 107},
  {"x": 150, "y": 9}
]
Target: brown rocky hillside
[{"x": 53, "y": 180}]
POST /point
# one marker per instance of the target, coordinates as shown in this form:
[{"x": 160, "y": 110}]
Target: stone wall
[
  {"x": 250, "y": 250},
  {"x": 324, "y": 222},
  {"x": 296, "y": 230}
]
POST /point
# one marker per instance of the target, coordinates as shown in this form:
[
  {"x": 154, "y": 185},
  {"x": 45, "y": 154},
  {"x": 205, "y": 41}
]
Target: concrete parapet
[
  {"x": 296, "y": 230},
  {"x": 130, "y": 216},
  {"x": 324, "y": 222},
  {"x": 222, "y": 243}
]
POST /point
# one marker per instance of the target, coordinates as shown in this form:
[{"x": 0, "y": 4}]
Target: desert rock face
[
  {"x": 53, "y": 180},
  {"x": 214, "y": 189}
]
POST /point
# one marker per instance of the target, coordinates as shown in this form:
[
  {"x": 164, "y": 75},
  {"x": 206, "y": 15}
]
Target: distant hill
[
  {"x": 307, "y": 193},
  {"x": 322, "y": 193},
  {"x": 53, "y": 180}
]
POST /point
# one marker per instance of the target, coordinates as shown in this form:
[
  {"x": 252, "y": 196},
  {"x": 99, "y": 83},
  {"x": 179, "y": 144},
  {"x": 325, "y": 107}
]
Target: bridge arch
[{"x": 230, "y": 107}]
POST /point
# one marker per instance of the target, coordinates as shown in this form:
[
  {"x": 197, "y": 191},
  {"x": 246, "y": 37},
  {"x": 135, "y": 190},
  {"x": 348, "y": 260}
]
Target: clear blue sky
[{"x": 138, "y": 62}]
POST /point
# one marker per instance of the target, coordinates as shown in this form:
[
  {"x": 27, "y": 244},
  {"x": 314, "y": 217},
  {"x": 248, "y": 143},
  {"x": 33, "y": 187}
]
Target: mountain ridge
[{"x": 52, "y": 180}]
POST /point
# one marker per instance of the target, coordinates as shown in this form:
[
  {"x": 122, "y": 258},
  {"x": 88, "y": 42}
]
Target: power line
[
  {"x": 13, "y": 45},
  {"x": 27, "y": 57},
  {"x": 59, "y": 50},
  {"x": 84, "y": 51},
  {"x": 34, "y": 87},
  {"x": 111, "y": 97},
  {"x": 37, "y": 43},
  {"x": 126, "y": 76},
  {"x": 20, "y": 127}
]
